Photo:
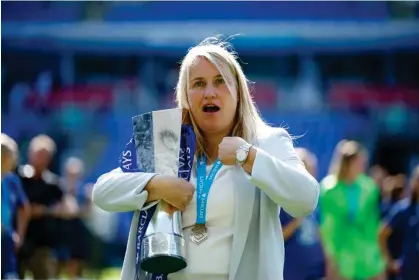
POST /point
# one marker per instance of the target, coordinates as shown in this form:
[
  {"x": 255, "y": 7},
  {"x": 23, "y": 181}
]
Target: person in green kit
[{"x": 350, "y": 217}]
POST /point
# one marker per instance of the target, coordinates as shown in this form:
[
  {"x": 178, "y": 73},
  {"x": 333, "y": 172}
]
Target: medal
[{"x": 199, "y": 234}]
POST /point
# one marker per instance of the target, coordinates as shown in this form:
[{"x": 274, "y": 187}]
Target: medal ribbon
[{"x": 203, "y": 186}]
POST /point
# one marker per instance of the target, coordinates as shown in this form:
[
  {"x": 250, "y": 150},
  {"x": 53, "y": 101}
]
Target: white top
[{"x": 211, "y": 259}]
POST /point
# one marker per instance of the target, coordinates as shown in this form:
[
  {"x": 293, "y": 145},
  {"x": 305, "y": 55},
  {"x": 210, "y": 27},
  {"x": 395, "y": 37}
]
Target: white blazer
[{"x": 278, "y": 179}]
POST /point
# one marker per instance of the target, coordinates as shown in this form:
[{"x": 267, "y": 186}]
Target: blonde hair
[
  {"x": 346, "y": 152},
  {"x": 336, "y": 157},
  {"x": 9, "y": 147},
  {"x": 248, "y": 120},
  {"x": 42, "y": 142}
]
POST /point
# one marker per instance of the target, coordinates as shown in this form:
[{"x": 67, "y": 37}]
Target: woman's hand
[
  {"x": 227, "y": 153},
  {"x": 227, "y": 149},
  {"x": 175, "y": 191}
]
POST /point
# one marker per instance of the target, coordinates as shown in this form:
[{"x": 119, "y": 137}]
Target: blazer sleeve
[
  {"x": 279, "y": 173},
  {"x": 117, "y": 191}
]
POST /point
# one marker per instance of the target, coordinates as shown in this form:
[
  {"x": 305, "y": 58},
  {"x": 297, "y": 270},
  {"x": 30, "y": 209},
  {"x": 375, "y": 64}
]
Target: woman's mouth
[{"x": 211, "y": 108}]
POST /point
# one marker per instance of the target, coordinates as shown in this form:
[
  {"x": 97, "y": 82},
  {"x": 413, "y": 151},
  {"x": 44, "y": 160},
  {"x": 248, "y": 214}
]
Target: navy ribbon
[{"x": 128, "y": 163}]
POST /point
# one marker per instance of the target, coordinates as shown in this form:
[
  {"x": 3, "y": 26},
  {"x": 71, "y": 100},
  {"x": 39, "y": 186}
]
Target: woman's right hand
[{"x": 175, "y": 191}]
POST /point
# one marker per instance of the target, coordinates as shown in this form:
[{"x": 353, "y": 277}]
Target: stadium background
[{"x": 78, "y": 71}]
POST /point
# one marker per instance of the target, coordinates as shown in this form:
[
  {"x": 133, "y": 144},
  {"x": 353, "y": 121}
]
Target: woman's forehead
[{"x": 202, "y": 67}]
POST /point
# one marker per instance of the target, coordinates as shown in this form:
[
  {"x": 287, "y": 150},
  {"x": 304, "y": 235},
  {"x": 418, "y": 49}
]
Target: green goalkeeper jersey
[{"x": 350, "y": 218}]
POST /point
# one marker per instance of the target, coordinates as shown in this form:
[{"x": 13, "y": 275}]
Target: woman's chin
[
  {"x": 213, "y": 128},
  {"x": 210, "y": 129}
]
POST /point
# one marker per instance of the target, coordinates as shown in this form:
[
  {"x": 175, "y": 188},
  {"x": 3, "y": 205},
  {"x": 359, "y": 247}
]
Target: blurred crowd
[
  {"x": 43, "y": 212},
  {"x": 366, "y": 225},
  {"x": 49, "y": 226}
]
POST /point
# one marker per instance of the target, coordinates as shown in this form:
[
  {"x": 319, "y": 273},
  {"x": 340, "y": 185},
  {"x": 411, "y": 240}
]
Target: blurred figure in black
[
  {"x": 74, "y": 248},
  {"x": 403, "y": 219},
  {"x": 392, "y": 192},
  {"x": 47, "y": 204}
]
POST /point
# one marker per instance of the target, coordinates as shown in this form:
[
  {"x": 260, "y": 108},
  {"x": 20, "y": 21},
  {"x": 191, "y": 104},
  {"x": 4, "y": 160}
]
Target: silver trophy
[{"x": 157, "y": 140}]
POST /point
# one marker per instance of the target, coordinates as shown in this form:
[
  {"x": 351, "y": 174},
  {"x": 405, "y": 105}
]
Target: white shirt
[{"x": 211, "y": 259}]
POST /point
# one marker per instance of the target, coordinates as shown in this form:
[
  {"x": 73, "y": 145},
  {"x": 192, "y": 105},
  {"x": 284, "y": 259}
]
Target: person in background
[
  {"x": 46, "y": 201},
  {"x": 19, "y": 203},
  {"x": 392, "y": 191},
  {"x": 13, "y": 205},
  {"x": 75, "y": 248},
  {"x": 350, "y": 216},
  {"x": 302, "y": 238},
  {"x": 378, "y": 173},
  {"x": 403, "y": 219}
]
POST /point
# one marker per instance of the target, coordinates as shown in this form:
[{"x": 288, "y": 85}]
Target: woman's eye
[
  {"x": 219, "y": 81},
  {"x": 198, "y": 84}
]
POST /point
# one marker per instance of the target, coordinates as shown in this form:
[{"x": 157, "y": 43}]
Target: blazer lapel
[{"x": 243, "y": 211}]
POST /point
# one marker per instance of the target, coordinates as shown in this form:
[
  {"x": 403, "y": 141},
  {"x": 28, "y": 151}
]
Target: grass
[{"x": 110, "y": 274}]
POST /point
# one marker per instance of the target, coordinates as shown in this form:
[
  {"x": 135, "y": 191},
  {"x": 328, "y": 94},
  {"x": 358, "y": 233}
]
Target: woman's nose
[{"x": 210, "y": 92}]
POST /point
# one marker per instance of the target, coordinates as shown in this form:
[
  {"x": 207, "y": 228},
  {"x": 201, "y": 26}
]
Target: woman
[
  {"x": 350, "y": 216},
  {"x": 302, "y": 238},
  {"x": 259, "y": 170}
]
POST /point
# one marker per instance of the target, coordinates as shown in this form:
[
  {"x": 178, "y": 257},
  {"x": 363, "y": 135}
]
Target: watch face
[{"x": 241, "y": 156}]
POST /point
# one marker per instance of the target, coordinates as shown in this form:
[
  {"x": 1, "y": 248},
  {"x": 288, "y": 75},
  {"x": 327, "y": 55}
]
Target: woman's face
[
  {"x": 357, "y": 166},
  {"x": 212, "y": 104}
]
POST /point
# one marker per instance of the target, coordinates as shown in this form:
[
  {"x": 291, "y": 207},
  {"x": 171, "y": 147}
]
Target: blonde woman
[
  {"x": 258, "y": 170},
  {"x": 350, "y": 216}
]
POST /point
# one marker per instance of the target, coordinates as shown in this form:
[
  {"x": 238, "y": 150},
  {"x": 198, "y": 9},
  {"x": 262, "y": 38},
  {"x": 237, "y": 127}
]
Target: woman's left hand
[{"x": 227, "y": 149}]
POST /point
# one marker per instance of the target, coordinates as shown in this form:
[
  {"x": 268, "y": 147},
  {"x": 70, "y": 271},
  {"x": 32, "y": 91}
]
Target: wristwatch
[{"x": 242, "y": 153}]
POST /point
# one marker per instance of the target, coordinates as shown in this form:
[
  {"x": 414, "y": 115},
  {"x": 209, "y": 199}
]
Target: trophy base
[
  {"x": 163, "y": 253},
  {"x": 163, "y": 264}
]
